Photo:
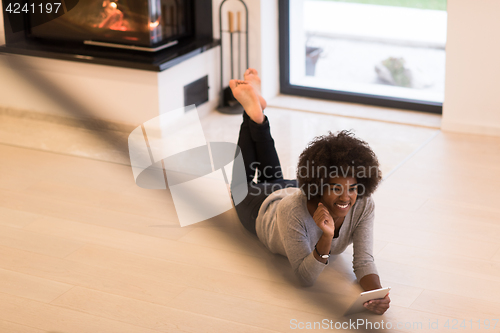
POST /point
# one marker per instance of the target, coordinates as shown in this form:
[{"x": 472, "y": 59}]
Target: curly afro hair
[{"x": 337, "y": 155}]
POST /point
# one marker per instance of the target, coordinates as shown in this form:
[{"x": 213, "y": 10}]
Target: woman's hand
[
  {"x": 378, "y": 306},
  {"x": 324, "y": 220}
]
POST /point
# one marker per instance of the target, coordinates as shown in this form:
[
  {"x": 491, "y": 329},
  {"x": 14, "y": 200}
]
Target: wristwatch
[{"x": 323, "y": 256}]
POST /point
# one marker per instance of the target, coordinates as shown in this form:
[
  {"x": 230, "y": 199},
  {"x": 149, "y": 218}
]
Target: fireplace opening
[
  {"x": 145, "y": 24},
  {"x": 171, "y": 30}
]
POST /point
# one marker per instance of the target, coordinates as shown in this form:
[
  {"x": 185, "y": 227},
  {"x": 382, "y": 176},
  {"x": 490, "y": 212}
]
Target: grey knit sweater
[{"x": 285, "y": 227}]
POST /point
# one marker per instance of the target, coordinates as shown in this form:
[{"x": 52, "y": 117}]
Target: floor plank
[
  {"x": 428, "y": 279},
  {"x": 145, "y": 314},
  {"x": 7, "y": 326},
  {"x": 454, "y": 264},
  {"x": 31, "y": 287},
  {"x": 164, "y": 228},
  {"x": 36, "y": 242},
  {"x": 16, "y": 218},
  {"x": 151, "y": 246},
  {"x": 106, "y": 279},
  {"x": 57, "y": 319},
  {"x": 281, "y": 293},
  {"x": 463, "y": 308}
]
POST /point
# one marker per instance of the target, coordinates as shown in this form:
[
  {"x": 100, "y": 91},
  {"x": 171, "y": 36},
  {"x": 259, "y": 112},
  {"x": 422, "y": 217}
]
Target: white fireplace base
[{"x": 114, "y": 94}]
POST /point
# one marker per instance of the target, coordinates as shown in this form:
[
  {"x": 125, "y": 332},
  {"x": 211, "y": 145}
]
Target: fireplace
[
  {"x": 150, "y": 25},
  {"x": 146, "y": 34}
]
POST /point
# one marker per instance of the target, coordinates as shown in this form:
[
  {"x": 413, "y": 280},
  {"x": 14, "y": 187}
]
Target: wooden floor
[{"x": 83, "y": 249}]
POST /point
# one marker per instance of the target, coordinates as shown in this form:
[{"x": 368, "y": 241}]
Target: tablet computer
[{"x": 357, "y": 306}]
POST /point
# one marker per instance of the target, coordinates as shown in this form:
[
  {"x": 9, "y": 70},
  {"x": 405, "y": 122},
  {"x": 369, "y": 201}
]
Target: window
[{"x": 381, "y": 52}]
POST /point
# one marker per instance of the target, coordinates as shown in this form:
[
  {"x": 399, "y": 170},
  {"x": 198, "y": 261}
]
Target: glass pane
[
  {"x": 133, "y": 22},
  {"x": 390, "y": 48}
]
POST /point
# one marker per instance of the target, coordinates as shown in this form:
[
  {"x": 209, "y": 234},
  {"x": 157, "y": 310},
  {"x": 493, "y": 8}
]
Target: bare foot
[
  {"x": 252, "y": 76},
  {"x": 248, "y": 98}
]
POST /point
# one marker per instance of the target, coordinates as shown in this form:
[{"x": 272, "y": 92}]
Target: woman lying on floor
[{"x": 327, "y": 208}]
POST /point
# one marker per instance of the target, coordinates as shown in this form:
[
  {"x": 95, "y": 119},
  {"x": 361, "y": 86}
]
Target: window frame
[{"x": 335, "y": 95}]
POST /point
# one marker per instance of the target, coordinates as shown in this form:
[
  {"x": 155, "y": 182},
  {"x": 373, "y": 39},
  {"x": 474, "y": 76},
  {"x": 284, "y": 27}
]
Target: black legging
[{"x": 259, "y": 155}]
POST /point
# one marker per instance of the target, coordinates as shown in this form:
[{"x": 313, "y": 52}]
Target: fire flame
[{"x": 153, "y": 25}]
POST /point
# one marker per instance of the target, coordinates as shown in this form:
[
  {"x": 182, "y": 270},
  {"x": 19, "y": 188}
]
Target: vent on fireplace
[{"x": 148, "y": 25}]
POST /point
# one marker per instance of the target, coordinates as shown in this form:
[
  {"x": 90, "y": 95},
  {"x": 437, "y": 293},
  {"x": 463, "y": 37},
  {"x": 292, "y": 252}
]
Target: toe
[
  {"x": 251, "y": 71},
  {"x": 233, "y": 84}
]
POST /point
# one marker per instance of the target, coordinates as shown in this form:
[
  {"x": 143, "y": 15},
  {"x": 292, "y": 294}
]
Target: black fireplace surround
[{"x": 143, "y": 34}]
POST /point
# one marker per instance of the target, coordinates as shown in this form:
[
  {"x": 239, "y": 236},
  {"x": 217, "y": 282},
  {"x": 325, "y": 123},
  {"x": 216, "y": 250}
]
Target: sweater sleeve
[
  {"x": 363, "y": 261},
  {"x": 298, "y": 250}
]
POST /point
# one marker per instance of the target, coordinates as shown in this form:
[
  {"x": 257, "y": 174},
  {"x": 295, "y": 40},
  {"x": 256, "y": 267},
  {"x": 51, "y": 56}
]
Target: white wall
[
  {"x": 269, "y": 51},
  {"x": 472, "y": 98}
]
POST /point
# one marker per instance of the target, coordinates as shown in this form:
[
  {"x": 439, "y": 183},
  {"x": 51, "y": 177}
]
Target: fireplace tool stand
[{"x": 228, "y": 104}]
